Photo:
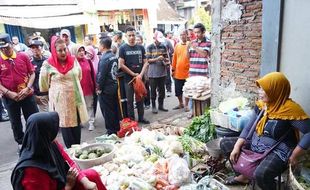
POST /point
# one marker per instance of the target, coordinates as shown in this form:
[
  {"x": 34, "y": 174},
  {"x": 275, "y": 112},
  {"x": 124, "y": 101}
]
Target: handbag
[{"x": 249, "y": 160}]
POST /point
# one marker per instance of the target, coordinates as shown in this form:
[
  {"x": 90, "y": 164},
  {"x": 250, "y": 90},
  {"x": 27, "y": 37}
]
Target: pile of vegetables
[
  {"x": 91, "y": 153},
  {"x": 201, "y": 128},
  {"x": 194, "y": 147}
]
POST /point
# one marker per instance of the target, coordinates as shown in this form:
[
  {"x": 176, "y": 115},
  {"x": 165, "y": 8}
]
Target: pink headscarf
[{"x": 95, "y": 59}]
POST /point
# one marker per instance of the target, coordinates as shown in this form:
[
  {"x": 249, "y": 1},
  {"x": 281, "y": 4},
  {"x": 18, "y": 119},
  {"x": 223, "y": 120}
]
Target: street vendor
[
  {"x": 43, "y": 163},
  {"x": 280, "y": 114}
]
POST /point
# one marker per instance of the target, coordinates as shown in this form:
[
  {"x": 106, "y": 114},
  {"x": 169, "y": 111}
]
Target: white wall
[{"x": 295, "y": 50}]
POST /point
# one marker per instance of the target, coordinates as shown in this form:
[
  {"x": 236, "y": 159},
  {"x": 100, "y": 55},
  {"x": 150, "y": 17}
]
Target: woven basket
[{"x": 292, "y": 182}]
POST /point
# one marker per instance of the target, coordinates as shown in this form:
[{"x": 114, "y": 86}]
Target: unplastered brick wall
[{"x": 241, "y": 42}]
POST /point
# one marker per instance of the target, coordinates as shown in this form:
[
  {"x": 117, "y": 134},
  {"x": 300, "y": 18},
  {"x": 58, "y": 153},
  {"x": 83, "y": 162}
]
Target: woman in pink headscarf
[{"x": 91, "y": 54}]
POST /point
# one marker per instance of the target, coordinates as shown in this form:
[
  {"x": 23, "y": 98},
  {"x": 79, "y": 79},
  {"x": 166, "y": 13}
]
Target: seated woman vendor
[
  {"x": 280, "y": 115},
  {"x": 43, "y": 163}
]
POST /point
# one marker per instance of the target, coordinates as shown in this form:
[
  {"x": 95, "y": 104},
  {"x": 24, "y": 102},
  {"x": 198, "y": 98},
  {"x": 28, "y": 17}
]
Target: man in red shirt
[{"x": 16, "y": 79}]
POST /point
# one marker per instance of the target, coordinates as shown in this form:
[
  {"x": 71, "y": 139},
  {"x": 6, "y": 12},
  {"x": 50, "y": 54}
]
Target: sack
[
  {"x": 248, "y": 162},
  {"x": 127, "y": 126}
]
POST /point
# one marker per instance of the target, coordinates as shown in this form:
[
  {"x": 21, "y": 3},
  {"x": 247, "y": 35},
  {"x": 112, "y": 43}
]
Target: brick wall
[{"x": 241, "y": 48}]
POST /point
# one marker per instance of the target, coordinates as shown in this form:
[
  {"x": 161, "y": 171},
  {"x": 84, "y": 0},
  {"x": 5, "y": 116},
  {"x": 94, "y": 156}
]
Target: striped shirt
[
  {"x": 157, "y": 69},
  {"x": 199, "y": 63}
]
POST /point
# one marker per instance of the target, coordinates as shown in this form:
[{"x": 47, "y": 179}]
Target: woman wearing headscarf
[
  {"x": 91, "y": 54},
  {"x": 43, "y": 163},
  {"x": 280, "y": 114},
  {"x": 88, "y": 82},
  {"x": 60, "y": 75}
]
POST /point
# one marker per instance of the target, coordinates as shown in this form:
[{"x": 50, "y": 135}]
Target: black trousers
[
  {"x": 269, "y": 168},
  {"x": 71, "y": 135},
  {"x": 122, "y": 97},
  {"x": 1, "y": 108},
  {"x": 110, "y": 111},
  {"x": 147, "y": 99},
  {"x": 168, "y": 81},
  {"x": 158, "y": 85},
  {"x": 130, "y": 108},
  {"x": 28, "y": 106}
]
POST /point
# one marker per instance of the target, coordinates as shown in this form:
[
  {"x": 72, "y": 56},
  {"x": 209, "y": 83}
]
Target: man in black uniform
[
  {"x": 133, "y": 62},
  {"x": 37, "y": 60},
  {"x": 107, "y": 82}
]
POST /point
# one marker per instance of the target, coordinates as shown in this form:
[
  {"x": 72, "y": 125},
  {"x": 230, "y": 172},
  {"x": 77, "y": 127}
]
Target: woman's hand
[
  {"x": 234, "y": 155},
  {"x": 297, "y": 152},
  {"x": 88, "y": 185},
  {"x": 71, "y": 178}
]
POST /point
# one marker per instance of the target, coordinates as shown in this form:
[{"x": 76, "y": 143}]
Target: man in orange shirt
[{"x": 180, "y": 69}]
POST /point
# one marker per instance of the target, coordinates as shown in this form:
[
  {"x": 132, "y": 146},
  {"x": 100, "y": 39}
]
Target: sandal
[
  {"x": 178, "y": 107},
  {"x": 232, "y": 181}
]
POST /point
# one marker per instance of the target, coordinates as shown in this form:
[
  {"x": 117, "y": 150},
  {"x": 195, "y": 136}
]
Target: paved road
[{"x": 8, "y": 147}]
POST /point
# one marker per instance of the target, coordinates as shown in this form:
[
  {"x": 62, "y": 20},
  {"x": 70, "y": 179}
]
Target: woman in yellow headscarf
[{"x": 280, "y": 114}]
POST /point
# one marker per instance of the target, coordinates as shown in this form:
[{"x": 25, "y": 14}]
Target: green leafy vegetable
[{"x": 201, "y": 128}]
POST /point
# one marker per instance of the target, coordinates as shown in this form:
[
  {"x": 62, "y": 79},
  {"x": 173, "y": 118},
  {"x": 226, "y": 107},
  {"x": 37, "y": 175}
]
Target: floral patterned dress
[{"x": 65, "y": 94}]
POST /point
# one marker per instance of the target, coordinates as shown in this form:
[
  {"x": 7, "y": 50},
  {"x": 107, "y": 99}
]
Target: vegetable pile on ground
[
  {"x": 201, "y": 128},
  {"x": 91, "y": 153}
]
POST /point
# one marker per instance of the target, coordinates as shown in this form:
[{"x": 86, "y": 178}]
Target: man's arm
[
  {"x": 145, "y": 65},
  {"x": 7, "y": 93},
  {"x": 121, "y": 62},
  {"x": 199, "y": 50},
  {"x": 26, "y": 91}
]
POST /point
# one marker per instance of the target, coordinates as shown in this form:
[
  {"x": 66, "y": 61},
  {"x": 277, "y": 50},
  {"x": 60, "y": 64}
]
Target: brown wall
[{"x": 243, "y": 41}]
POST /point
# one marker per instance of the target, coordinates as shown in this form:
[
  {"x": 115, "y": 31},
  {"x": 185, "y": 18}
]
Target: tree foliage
[{"x": 203, "y": 17}]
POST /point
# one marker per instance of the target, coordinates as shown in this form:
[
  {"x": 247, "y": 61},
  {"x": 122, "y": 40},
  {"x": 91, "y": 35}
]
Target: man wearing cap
[
  {"x": 66, "y": 36},
  {"x": 117, "y": 42},
  {"x": 37, "y": 60},
  {"x": 158, "y": 59},
  {"x": 16, "y": 79}
]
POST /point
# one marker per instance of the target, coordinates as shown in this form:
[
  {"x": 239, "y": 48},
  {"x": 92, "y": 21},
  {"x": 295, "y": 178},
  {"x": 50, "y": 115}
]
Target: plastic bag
[
  {"x": 127, "y": 127},
  {"x": 179, "y": 172},
  {"x": 139, "y": 88}
]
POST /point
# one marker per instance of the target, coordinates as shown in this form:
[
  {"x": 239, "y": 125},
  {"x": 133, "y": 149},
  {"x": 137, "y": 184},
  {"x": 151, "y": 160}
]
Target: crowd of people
[
  {"x": 61, "y": 88},
  {"x": 69, "y": 79},
  {"x": 72, "y": 79}
]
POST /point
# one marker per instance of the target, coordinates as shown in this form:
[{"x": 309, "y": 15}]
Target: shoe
[
  {"x": 91, "y": 127},
  {"x": 190, "y": 116},
  {"x": 143, "y": 121},
  {"x": 168, "y": 94},
  {"x": 163, "y": 109},
  {"x": 232, "y": 181},
  {"x": 4, "y": 118},
  {"x": 147, "y": 107},
  {"x": 178, "y": 107},
  {"x": 186, "y": 109},
  {"x": 154, "y": 110}
]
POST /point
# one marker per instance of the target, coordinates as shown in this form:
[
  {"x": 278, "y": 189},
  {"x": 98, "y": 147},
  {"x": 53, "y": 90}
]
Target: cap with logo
[
  {"x": 35, "y": 43},
  {"x": 5, "y": 40}
]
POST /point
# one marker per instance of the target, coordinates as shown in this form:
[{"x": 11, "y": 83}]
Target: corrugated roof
[{"x": 167, "y": 15}]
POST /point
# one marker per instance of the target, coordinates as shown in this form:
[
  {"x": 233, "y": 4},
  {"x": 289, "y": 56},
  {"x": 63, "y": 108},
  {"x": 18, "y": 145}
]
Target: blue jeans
[{"x": 28, "y": 106}]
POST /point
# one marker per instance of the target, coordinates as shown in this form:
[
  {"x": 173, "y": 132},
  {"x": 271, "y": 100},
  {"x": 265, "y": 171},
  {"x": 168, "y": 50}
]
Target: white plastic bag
[{"x": 179, "y": 172}]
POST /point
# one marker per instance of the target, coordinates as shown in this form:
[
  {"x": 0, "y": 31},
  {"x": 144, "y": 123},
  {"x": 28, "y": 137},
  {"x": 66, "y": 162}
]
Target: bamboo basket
[{"x": 292, "y": 182}]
